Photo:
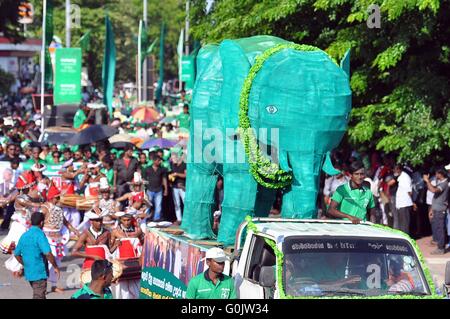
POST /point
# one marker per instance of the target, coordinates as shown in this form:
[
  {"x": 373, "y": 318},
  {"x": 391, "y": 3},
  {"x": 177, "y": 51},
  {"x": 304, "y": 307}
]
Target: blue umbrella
[{"x": 160, "y": 142}]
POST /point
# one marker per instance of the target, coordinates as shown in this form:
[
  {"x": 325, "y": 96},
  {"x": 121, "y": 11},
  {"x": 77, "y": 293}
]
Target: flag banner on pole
[
  {"x": 109, "y": 67},
  {"x": 48, "y": 39},
  {"x": 161, "y": 64},
  {"x": 144, "y": 40},
  {"x": 150, "y": 47},
  {"x": 180, "y": 52},
  {"x": 85, "y": 41}
]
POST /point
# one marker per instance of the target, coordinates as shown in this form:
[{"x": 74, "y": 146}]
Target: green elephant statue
[{"x": 265, "y": 114}]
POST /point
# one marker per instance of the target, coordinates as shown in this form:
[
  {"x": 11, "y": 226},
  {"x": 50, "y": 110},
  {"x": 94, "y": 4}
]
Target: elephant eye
[{"x": 271, "y": 109}]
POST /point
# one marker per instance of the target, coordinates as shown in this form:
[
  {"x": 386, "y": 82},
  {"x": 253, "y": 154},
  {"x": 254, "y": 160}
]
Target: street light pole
[
  {"x": 43, "y": 47},
  {"x": 186, "y": 38},
  {"x": 139, "y": 64},
  {"x": 145, "y": 84},
  {"x": 68, "y": 24}
]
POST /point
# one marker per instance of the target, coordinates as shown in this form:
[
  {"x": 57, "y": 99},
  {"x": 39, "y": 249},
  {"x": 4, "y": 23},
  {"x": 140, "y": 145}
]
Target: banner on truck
[{"x": 168, "y": 266}]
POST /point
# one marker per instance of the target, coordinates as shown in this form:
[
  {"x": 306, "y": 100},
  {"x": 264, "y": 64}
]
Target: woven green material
[{"x": 257, "y": 92}]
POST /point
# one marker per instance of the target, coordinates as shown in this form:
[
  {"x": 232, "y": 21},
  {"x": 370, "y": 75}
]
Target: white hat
[
  {"x": 447, "y": 167},
  {"x": 217, "y": 254},
  {"x": 38, "y": 167},
  {"x": 96, "y": 213},
  {"x": 94, "y": 165},
  {"x": 68, "y": 163},
  {"x": 137, "y": 179},
  {"x": 104, "y": 183},
  {"x": 126, "y": 213}
]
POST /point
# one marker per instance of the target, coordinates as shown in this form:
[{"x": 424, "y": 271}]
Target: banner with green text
[{"x": 67, "y": 88}]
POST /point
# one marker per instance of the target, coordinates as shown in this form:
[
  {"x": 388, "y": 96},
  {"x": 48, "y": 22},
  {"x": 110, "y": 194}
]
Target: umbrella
[
  {"x": 121, "y": 138},
  {"x": 92, "y": 134},
  {"x": 121, "y": 144},
  {"x": 160, "y": 142},
  {"x": 145, "y": 114},
  {"x": 168, "y": 119},
  {"x": 58, "y": 135}
]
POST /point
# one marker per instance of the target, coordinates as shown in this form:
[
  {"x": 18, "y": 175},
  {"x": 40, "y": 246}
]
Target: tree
[
  {"x": 9, "y": 15},
  {"x": 6, "y": 80},
  {"x": 399, "y": 78}
]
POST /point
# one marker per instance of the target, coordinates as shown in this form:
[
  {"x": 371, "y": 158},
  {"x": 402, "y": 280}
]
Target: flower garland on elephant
[{"x": 265, "y": 172}]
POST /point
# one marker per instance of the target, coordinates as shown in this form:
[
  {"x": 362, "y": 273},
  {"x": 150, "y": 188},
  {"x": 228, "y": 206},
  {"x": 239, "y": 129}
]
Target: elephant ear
[
  {"x": 345, "y": 63},
  {"x": 328, "y": 167}
]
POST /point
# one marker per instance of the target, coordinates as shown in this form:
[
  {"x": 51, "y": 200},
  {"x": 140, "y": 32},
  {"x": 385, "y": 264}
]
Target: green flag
[
  {"x": 161, "y": 64},
  {"x": 48, "y": 39},
  {"x": 150, "y": 47},
  {"x": 144, "y": 39},
  {"x": 109, "y": 67},
  {"x": 180, "y": 52},
  {"x": 84, "y": 41}
]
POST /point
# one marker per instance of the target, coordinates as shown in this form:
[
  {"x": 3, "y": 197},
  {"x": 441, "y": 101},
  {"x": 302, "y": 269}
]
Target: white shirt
[
  {"x": 332, "y": 183},
  {"x": 430, "y": 194},
  {"x": 402, "y": 198}
]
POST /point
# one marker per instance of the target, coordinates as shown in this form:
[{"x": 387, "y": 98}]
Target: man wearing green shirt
[
  {"x": 212, "y": 284},
  {"x": 184, "y": 118},
  {"x": 352, "y": 200},
  {"x": 80, "y": 117},
  {"x": 98, "y": 288}
]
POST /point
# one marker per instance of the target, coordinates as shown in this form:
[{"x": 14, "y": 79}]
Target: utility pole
[
  {"x": 68, "y": 23},
  {"x": 145, "y": 84},
  {"x": 139, "y": 77},
  {"x": 186, "y": 30},
  {"x": 43, "y": 48}
]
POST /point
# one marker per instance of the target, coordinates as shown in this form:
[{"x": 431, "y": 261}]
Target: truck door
[{"x": 259, "y": 255}]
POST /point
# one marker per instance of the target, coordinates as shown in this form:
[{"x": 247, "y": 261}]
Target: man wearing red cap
[{"x": 57, "y": 235}]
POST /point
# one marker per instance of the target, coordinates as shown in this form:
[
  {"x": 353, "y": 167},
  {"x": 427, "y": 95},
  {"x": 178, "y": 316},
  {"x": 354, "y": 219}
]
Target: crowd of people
[{"x": 389, "y": 193}]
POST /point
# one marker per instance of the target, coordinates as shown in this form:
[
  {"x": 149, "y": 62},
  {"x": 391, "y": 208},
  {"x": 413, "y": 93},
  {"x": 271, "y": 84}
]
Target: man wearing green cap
[{"x": 212, "y": 284}]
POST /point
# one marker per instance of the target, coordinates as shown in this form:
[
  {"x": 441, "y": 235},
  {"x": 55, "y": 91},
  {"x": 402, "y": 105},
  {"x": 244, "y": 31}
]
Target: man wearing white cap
[
  {"x": 95, "y": 240},
  {"x": 107, "y": 204},
  {"x": 126, "y": 244},
  {"x": 212, "y": 284},
  {"x": 68, "y": 176},
  {"x": 92, "y": 179},
  {"x": 42, "y": 181}
]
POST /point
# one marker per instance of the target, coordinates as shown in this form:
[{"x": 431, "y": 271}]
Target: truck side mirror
[{"x": 267, "y": 276}]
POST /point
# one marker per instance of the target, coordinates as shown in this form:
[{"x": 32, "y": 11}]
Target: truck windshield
[{"x": 351, "y": 266}]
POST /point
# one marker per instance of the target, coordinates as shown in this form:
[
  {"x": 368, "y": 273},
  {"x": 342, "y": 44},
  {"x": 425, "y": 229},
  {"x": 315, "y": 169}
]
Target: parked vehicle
[{"x": 292, "y": 258}]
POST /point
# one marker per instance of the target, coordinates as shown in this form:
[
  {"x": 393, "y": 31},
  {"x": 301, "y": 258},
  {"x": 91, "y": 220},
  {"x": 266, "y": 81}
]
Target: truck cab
[{"x": 286, "y": 258}]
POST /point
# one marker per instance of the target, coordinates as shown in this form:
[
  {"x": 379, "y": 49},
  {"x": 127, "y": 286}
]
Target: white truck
[{"x": 291, "y": 258}]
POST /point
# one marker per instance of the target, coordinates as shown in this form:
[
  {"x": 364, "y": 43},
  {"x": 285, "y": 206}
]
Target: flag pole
[
  {"x": 144, "y": 75},
  {"x": 139, "y": 63},
  {"x": 43, "y": 47}
]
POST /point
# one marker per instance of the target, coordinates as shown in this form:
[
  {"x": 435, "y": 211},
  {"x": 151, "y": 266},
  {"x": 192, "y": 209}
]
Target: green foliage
[
  {"x": 399, "y": 73},
  {"x": 9, "y": 14},
  {"x": 6, "y": 80}
]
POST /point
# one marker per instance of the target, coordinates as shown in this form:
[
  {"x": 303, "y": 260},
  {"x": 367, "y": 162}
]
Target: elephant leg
[
  {"x": 300, "y": 201},
  {"x": 238, "y": 202},
  {"x": 264, "y": 201},
  {"x": 199, "y": 201}
]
